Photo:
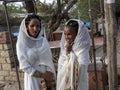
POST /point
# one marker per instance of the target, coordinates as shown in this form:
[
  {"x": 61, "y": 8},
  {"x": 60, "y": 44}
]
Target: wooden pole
[
  {"x": 104, "y": 78},
  {"x": 111, "y": 29},
  {"x": 11, "y": 42},
  {"x": 93, "y": 44},
  {"x": 103, "y": 27}
]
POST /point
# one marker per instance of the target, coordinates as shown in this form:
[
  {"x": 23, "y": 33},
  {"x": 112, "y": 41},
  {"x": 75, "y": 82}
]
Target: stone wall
[{"x": 7, "y": 67}]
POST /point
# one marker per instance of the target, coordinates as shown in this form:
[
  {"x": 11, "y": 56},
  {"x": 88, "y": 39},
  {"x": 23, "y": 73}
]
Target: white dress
[
  {"x": 33, "y": 54},
  {"x": 78, "y": 56}
]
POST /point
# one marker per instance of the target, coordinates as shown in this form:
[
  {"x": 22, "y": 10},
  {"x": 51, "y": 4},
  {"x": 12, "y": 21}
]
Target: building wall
[{"x": 7, "y": 67}]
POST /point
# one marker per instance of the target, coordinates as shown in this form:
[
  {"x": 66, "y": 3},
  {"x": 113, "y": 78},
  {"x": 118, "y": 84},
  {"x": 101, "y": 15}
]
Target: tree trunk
[
  {"x": 59, "y": 16},
  {"x": 30, "y": 6},
  {"x": 93, "y": 44},
  {"x": 111, "y": 30}
]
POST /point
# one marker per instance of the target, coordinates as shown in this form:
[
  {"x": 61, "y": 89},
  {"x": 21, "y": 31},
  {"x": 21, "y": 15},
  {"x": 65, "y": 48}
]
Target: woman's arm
[{"x": 48, "y": 76}]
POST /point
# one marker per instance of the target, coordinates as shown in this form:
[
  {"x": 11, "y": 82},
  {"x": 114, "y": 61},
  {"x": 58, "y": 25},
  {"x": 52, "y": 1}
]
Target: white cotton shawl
[
  {"x": 80, "y": 51},
  {"x": 81, "y": 44},
  {"x": 33, "y": 51}
]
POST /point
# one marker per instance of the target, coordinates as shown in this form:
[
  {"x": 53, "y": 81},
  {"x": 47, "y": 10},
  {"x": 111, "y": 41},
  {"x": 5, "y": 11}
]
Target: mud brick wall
[
  {"x": 7, "y": 66},
  {"x": 101, "y": 77}
]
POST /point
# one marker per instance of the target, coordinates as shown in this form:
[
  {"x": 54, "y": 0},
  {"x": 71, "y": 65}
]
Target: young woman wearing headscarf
[
  {"x": 34, "y": 54},
  {"x": 74, "y": 57}
]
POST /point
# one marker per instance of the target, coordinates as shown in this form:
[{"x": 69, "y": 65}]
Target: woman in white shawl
[
  {"x": 74, "y": 57},
  {"x": 34, "y": 54}
]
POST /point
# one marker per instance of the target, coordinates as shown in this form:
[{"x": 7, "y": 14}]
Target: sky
[
  {"x": 47, "y": 1},
  {"x": 19, "y": 3}
]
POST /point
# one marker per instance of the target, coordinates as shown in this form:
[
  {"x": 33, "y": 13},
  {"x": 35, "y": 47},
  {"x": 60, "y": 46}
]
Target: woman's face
[
  {"x": 33, "y": 27},
  {"x": 69, "y": 35}
]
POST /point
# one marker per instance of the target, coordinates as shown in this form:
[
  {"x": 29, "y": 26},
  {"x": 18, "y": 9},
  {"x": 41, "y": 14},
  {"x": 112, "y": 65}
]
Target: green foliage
[
  {"x": 14, "y": 9},
  {"x": 15, "y": 21},
  {"x": 47, "y": 11},
  {"x": 2, "y": 16},
  {"x": 11, "y": 9},
  {"x": 46, "y": 18},
  {"x": 117, "y": 5},
  {"x": 95, "y": 7},
  {"x": 80, "y": 10},
  {"x": 83, "y": 8},
  {"x": 45, "y": 8}
]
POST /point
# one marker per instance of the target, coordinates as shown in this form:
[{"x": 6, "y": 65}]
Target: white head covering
[
  {"x": 33, "y": 51},
  {"x": 81, "y": 42},
  {"x": 79, "y": 53}
]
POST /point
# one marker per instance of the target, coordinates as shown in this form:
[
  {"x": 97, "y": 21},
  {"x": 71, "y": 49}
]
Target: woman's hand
[
  {"x": 48, "y": 76},
  {"x": 43, "y": 85},
  {"x": 68, "y": 47}
]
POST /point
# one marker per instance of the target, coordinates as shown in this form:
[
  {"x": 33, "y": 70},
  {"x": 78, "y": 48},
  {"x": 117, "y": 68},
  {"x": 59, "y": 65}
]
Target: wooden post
[
  {"x": 104, "y": 73},
  {"x": 93, "y": 44},
  {"x": 9, "y": 30},
  {"x": 111, "y": 29}
]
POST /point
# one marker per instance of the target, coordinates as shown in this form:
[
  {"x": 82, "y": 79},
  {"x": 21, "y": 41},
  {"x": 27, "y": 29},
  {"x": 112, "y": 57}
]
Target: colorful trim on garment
[{"x": 76, "y": 74}]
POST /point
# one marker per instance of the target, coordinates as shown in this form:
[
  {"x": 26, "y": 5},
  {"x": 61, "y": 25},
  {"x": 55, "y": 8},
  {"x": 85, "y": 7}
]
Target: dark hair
[
  {"x": 32, "y": 16},
  {"x": 73, "y": 24}
]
